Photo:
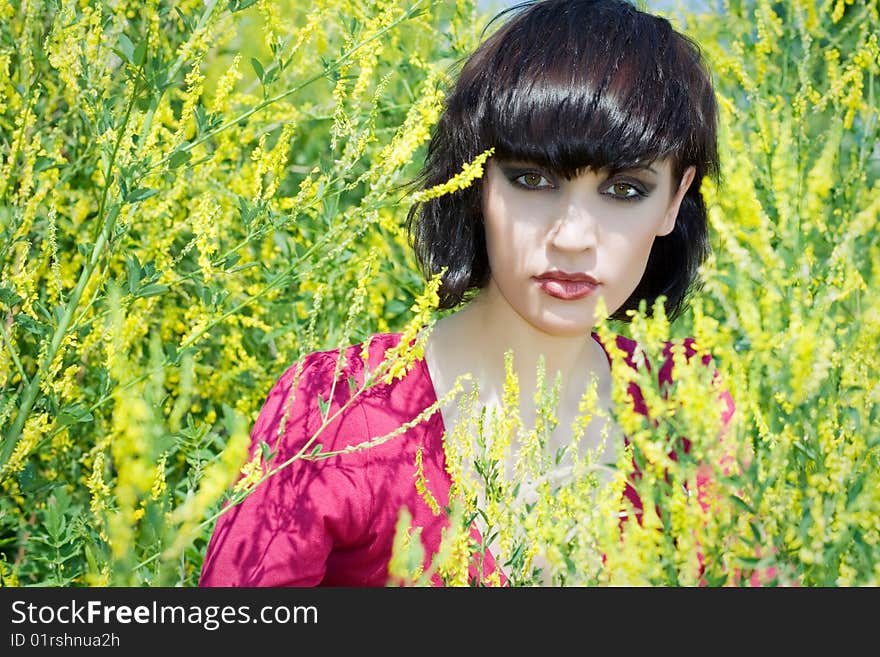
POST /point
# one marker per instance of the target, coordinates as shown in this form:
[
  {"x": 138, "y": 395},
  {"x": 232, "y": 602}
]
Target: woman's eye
[
  {"x": 624, "y": 191},
  {"x": 532, "y": 180}
]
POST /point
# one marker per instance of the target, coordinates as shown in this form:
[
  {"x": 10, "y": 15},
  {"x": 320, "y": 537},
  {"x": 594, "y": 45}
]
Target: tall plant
[{"x": 193, "y": 195}]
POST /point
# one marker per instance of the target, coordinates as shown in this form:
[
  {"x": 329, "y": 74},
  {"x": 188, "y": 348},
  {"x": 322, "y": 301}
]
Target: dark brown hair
[{"x": 571, "y": 85}]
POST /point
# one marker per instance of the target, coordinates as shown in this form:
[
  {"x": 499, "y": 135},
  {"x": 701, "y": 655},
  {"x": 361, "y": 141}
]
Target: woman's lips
[{"x": 566, "y": 290}]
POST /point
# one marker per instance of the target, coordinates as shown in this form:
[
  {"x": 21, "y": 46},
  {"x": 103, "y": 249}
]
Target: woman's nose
[{"x": 576, "y": 229}]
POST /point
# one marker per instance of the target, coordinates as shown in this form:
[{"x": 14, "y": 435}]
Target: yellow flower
[
  {"x": 400, "y": 358},
  {"x": 422, "y": 485},
  {"x": 159, "y": 484},
  {"x": 469, "y": 172},
  {"x": 407, "y": 554},
  {"x": 36, "y": 426}
]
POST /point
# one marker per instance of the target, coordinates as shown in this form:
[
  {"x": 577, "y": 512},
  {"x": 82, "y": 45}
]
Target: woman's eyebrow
[
  {"x": 516, "y": 163},
  {"x": 639, "y": 167},
  {"x": 613, "y": 171}
]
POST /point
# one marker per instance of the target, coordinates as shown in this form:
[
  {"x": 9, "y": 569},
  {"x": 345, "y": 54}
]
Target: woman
[{"x": 602, "y": 124}]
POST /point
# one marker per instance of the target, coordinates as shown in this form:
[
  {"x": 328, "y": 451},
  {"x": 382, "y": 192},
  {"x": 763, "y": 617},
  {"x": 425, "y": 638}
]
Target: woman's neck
[{"x": 476, "y": 338}]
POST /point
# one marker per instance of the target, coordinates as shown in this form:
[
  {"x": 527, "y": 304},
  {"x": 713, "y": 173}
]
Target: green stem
[
  {"x": 284, "y": 94},
  {"x": 30, "y": 395},
  {"x": 282, "y": 277},
  {"x": 20, "y": 136},
  {"x": 172, "y": 73},
  {"x": 106, "y": 224},
  {"x": 98, "y": 289},
  {"x": 12, "y": 436},
  {"x": 370, "y": 380},
  {"x": 8, "y": 342}
]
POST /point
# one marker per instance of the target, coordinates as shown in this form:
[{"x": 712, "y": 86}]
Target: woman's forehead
[{"x": 657, "y": 167}]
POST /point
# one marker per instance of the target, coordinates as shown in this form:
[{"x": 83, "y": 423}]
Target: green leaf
[
  {"x": 755, "y": 532},
  {"x": 266, "y": 450},
  {"x": 74, "y": 414},
  {"x": 238, "y": 5},
  {"x": 134, "y": 271},
  {"x": 179, "y": 158},
  {"x": 187, "y": 22},
  {"x": 140, "y": 194},
  {"x": 715, "y": 579},
  {"x": 143, "y": 101},
  {"x": 749, "y": 562},
  {"x": 352, "y": 385},
  {"x": 91, "y": 560},
  {"x": 27, "y": 478},
  {"x": 151, "y": 290},
  {"x": 855, "y": 490},
  {"x": 247, "y": 211},
  {"x": 316, "y": 450},
  {"x": 396, "y": 307},
  {"x": 8, "y": 298},
  {"x": 516, "y": 556},
  {"x": 246, "y": 265},
  {"x": 803, "y": 449},
  {"x": 201, "y": 119},
  {"x": 323, "y": 405},
  {"x": 56, "y": 511},
  {"x": 85, "y": 248},
  {"x": 30, "y": 325},
  {"x": 258, "y": 68},
  {"x": 125, "y": 48},
  {"x": 43, "y": 163},
  {"x": 271, "y": 74},
  {"x": 139, "y": 53},
  {"x": 230, "y": 260},
  {"x": 741, "y": 502}
]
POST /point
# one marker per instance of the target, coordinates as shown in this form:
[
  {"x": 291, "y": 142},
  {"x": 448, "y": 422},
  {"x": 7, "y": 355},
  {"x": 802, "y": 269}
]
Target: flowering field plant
[{"x": 195, "y": 194}]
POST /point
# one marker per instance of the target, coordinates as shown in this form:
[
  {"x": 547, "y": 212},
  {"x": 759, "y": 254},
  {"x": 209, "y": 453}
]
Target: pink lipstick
[{"x": 566, "y": 285}]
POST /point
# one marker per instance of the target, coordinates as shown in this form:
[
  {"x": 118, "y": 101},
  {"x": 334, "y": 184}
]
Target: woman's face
[{"x": 598, "y": 227}]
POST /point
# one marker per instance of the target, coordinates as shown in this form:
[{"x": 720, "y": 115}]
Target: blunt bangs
[{"x": 594, "y": 91}]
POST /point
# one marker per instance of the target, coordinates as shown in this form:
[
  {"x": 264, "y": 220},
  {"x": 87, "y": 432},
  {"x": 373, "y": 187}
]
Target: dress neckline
[
  {"x": 439, "y": 433},
  {"x": 426, "y": 374}
]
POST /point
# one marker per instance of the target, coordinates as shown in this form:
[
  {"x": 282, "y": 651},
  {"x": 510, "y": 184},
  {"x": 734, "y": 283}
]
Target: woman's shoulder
[
  {"x": 331, "y": 383},
  {"x": 662, "y": 360},
  {"x": 620, "y": 348},
  {"x": 319, "y": 366}
]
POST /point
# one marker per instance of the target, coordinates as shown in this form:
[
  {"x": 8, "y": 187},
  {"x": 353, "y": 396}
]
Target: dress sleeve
[
  {"x": 723, "y": 399},
  {"x": 723, "y": 396},
  {"x": 283, "y": 533},
  {"x": 728, "y": 465}
]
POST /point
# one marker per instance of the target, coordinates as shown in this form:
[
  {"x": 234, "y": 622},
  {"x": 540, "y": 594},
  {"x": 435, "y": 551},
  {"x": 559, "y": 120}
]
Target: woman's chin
[{"x": 562, "y": 327}]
